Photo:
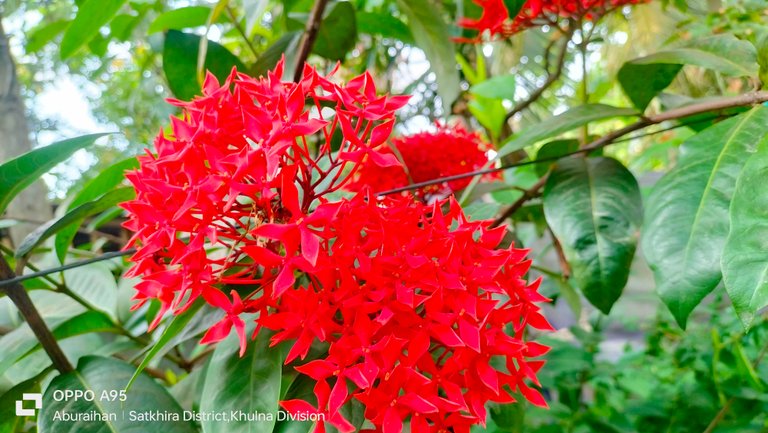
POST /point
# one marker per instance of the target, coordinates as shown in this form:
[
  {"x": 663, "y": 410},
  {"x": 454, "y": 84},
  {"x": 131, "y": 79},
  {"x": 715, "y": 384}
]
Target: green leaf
[
  {"x": 181, "y": 18},
  {"x": 434, "y": 37},
  {"x": 287, "y": 45},
  {"x": 84, "y": 323},
  {"x": 180, "y": 62},
  {"x": 250, "y": 383},
  {"x": 74, "y": 217},
  {"x": 338, "y": 32},
  {"x": 107, "y": 375},
  {"x": 384, "y": 25},
  {"x": 594, "y": 208},
  {"x": 177, "y": 325},
  {"x": 644, "y": 78},
  {"x": 40, "y": 36},
  {"x": 91, "y": 16},
  {"x": 722, "y": 53},
  {"x": 499, "y": 87},
  {"x": 95, "y": 285},
  {"x": 554, "y": 149},
  {"x": 745, "y": 257},
  {"x": 9, "y": 422},
  {"x": 514, "y": 6},
  {"x": 642, "y": 82},
  {"x": 554, "y": 126},
  {"x": 686, "y": 220},
  {"x": 22, "y": 171},
  {"x": 108, "y": 179}
]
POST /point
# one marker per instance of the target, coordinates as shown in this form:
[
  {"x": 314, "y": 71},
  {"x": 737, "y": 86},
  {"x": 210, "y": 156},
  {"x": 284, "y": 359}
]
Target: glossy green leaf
[
  {"x": 91, "y": 16},
  {"x": 109, "y": 375},
  {"x": 22, "y": 171},
  {"x": 180, "y": 62},
  {"x": 337, "y": 34},
  {"x": 84, "y": 323},
  {"x": 745, "y": 256},
  {"x": 287, "y": 45},
  {"x": 384, "y": 25},
  {"x": 106, "y": 180},
  {"x": 181, "y": 18},
  {"x": 73, "y": 217},
  {"x": 594, "y": 208},
  {"x": 95, "y": 285},
  {"x": 554, "y": 149},
  {"x": 41, "y": 36},
  {"x": 499, "y": 87},
  {"x": 250, "y": 383},
  {"x": 568, "y": 121},
  {"x": 176, "y": 326},
  {"x": 686, "y": 220},
  {"x": 642, "y": 82},
  {"x": 434, "y": 37},
  {"x": 514, "y": 6}
]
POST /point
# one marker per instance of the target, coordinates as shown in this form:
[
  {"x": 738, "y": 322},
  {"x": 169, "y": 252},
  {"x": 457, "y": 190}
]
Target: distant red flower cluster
[
  {"x": 448, "y": 151},
  {"x": 422, "y": 313},
  {"x": 497, "y": 20}
]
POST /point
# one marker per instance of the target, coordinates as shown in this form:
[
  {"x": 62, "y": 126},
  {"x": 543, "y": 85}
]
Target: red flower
[
  {"x": 422, "y": 312},
  {"x": 497, "y": 21},
  {"x": 448, "y": 151}
]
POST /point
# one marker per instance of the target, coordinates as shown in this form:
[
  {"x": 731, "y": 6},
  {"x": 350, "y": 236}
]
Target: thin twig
[
  {"x": 527, "y": 195},
  {"x": 310, "y": 34},
  {"x": 101, "y": 258},
  {"x": 242, "y": 32},
  {"x": 552, "y": 77}
]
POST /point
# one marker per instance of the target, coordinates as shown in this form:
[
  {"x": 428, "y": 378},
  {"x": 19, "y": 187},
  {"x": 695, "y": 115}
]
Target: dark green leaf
[
  {"x": 287, "y": 45},
  {"x": 745, "y": 257},
  {"x": 91, "y": 16},
  {"x": 75, "y": 216},
  {"x": 514, "y": 6},
  {"x": 554, "y": 149},
  {"x": 106, "y": 180},
  {"x": 177, "y": 325},
  {"x": 40, "y": 36},
  {"x": 181, "y": 18},
  {"x": 338, "y": 32},
  {"x": 433, "y": 36},
  {"x": 108, "y": 375},
  {"x": 686, "y": 220},
  {"x": 571, "y": 119},
  {"x": 499, "y": 87},
  {"x": 384, "y": 25},
  {"x": 22, "y": 171},
  {"x": 180, "y": 63},
  {"x": 250, "y": 383},
  {"x": 641, "y": 83},
  {"x": 594, "y": 208}
]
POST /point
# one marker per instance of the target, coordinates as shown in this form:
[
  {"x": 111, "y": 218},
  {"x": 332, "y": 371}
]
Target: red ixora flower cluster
[
  {"x": 496, "y": 19},
  {"x": 447, "y": 151},
  {"x": 422, "y": 316}
]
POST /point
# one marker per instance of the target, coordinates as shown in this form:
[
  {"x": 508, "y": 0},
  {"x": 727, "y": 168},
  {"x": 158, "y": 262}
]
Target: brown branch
[
  {"x": 565, "y": 268},
  {"x": 527, "y": 195},
  {"x": 552, "y": 77},
  {"x": 310, "y": 34},
  {"x": 21, "y": 299}
]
